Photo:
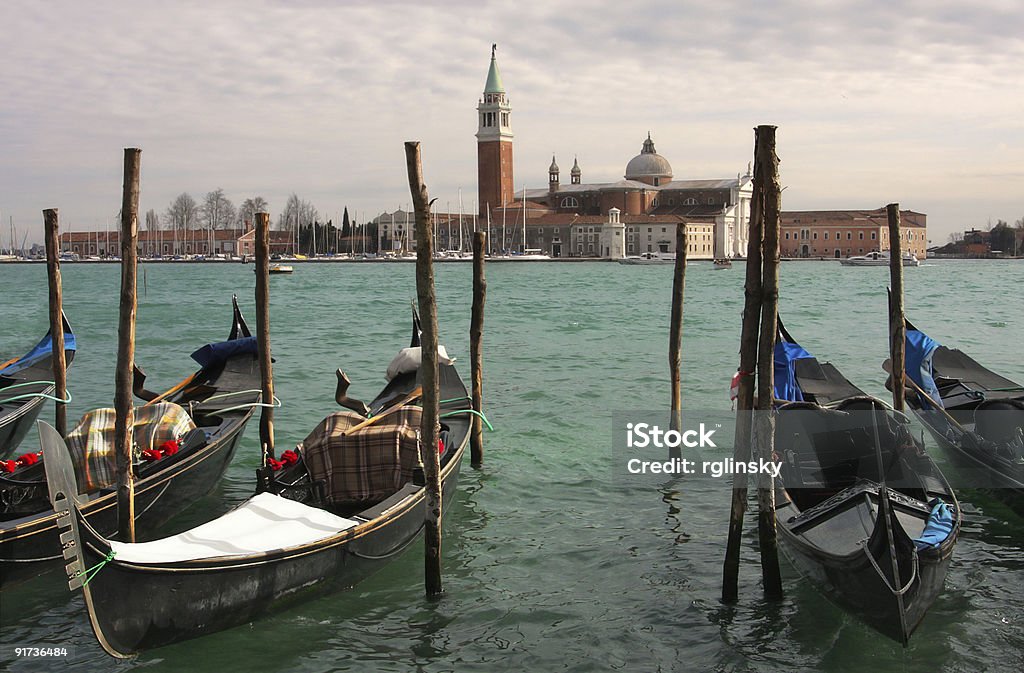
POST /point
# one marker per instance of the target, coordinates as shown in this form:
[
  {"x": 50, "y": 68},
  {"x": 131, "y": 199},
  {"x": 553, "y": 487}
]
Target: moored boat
[
  {"x": 650, "y": 258},
  {"x": 347, "y": 500},
  {"x": 862, "y": 510},
  {"x": 973, "y": 411},
  {"x": 879, "y": 259},
  {"x": 186, "y": 436},
  {"x": 26, "y": 383}
]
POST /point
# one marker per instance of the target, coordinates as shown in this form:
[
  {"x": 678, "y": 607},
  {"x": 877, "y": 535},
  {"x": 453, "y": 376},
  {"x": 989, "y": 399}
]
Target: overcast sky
[{"x": 920, "y": 102}]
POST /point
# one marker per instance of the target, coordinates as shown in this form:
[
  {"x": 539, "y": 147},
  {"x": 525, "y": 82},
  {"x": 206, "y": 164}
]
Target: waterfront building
[
  {"x": 845, "y": 233},
  {"x": 164, "y": 243}
]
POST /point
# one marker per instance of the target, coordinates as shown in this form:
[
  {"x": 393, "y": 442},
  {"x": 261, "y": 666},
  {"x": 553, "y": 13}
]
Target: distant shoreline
[{"x": 466, "y": 260}]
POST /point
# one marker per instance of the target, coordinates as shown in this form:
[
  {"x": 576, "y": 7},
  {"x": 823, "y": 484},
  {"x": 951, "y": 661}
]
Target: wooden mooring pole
[
  {"x": 745, "y": 394},
  {"x": 675, "y": 334},
  {"x": 764, "y": 422},
  {"x": 429, "y": 429},
  {"x": 263, "y": 336},
  {"x": 897, "y": 324},
  {"x": 51, "y": 222},
  {"x": 476, "y": 334},
  {"x": 124, "y": 412}
]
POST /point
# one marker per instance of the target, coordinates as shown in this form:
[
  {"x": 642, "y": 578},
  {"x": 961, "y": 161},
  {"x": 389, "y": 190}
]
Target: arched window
[
  {"x": 570, "y": 202},
  {"x": 690, "y": 202}
]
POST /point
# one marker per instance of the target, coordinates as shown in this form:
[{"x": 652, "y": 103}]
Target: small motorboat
[
  {"x": 723, "y": 263},
  {"x": 879, "y": 259},
  {"x": 650, "y": 258}
]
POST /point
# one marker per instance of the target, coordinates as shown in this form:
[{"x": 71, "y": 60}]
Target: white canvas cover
[{"x": 262, "y": 523}]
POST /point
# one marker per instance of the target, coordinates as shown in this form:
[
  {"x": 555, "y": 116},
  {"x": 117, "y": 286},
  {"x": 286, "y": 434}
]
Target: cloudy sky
[{"x": 920, "y": 102}]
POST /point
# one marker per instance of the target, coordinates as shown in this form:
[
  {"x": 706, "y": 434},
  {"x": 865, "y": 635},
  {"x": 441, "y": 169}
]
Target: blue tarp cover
[
  {"x": 938, "y": 528},
  {"x": 786, "y": 385},
  {"x": 42, "y": 350},
  {"x": 213, "y": 353},
  {"x": 920, "y": 348}
]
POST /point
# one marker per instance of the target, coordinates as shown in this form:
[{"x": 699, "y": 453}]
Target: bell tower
[{"x": 494, "y": 143}]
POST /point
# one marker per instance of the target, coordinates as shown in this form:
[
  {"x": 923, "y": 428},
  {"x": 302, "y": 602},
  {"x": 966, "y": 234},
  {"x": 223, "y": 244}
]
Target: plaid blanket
[
  {"x": 91, "y": 443},
  {"x": 370, "y": 464}
]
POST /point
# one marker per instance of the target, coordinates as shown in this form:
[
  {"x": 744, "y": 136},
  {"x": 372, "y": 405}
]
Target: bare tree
[
  {"x": 181, "y": 216},
  {"x": 297, "y": 213},
  {"x": 217, "y": 211},
  {"x": 152, "y": 220},
  {"x": 247, "y": 211}
]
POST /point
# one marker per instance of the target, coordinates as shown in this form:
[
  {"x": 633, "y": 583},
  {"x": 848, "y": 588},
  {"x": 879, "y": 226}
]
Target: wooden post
[
  {"x": 897, "y": 324},
  {"x": 60, "y": 371},
  {"x": 476, "y": 333},
  {"x": 263, "y": 335},
  {"x": 429, "y": 429},
  {"x": 764, "y": 423},
  {"x": 675, "y": 333},
  {"x": 124, "y": 412},
  {"x": 745, "y": 398}
]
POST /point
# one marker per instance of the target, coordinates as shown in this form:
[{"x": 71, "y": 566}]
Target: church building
[{"x": 567, "y": 219}]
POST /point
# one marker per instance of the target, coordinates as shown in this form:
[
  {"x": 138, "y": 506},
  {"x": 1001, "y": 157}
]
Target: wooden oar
[
  {"x": 887, "y": 366},
  {"x": 171, "y": 391},
  {"x": 415, "y": 394}
]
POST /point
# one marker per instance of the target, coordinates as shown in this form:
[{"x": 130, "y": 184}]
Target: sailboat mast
[
  {"x": 460, "y": 220},
  {"x": 524, "y": 220}
]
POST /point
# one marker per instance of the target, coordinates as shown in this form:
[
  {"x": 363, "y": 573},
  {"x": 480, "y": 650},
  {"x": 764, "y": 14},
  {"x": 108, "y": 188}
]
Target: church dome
[{"x": 648, "y": 164}]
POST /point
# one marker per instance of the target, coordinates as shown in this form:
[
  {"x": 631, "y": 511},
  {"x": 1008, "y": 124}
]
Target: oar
[
  {"x": 173, "y": 390},
  {"x": 887, "y": 366},
  {"x": 9, "y": 362},
  {"x": 415, "y": 394}
]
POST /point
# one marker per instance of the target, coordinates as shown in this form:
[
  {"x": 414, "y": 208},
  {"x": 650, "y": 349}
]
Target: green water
[{"x": 550, "y": 561}]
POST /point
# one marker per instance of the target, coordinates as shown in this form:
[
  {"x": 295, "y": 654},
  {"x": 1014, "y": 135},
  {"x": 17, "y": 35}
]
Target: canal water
[{"x": 552, "y": 561}]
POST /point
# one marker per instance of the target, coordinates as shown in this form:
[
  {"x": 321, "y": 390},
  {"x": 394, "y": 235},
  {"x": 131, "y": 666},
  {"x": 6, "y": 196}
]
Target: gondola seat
[
  {"x": 364, "y": 467},
  {"x": 91, "y": 442}
]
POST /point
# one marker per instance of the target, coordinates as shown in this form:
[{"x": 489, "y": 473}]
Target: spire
[
  {"x": 554, "y": 166},
  {"x": 648, "y": 145},
  {"x": 493, "y": 76},
  {"x": 576, "y": 172}
]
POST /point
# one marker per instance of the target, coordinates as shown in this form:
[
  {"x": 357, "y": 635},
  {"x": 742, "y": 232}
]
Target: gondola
[
  {"x": 300, "y": 536},
  {"x": 26, "y": 383},
  {"x": 862, "y": 511},
  {"x": 202, "y": 417},
  {"x": 969, "y": 409}
]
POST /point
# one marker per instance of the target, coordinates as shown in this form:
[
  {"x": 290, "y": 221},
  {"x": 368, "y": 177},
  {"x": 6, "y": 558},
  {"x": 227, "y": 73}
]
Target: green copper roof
[{"x": 493, "y": 77}]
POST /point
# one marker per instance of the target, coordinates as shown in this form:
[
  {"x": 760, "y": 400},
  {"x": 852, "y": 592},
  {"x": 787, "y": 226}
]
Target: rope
[
  {"x": 455, "y": 399},
  {"x": 26, "y": 396},
  {"x": 474, "y": 412},
  {"x": 91, "y": 572},
  {"x": 276, "y": 405}
]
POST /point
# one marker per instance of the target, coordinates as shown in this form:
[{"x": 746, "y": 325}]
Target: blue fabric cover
[
  {"x": 938, "y": 528},
  {"x": 919, "y": 351},
  {"x": 786, "y": 385},
  {"x": 42, "y": 350},
  {"x": 211, "y": 354}
]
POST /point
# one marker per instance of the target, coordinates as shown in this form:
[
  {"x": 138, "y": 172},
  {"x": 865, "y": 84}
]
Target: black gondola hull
[
  {"x": 30, "y": 546},
  {"x": 863, "y": 588},
  {"x": 135, "y": 608}
]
